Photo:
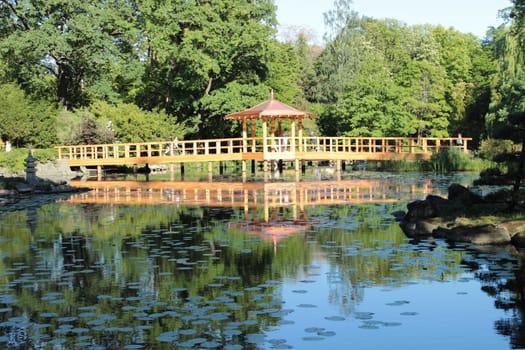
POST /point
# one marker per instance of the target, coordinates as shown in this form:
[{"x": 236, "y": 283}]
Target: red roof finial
[{"x": 271, "y": 94}]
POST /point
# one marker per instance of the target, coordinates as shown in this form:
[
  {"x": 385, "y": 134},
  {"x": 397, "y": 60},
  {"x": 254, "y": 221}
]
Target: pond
[{"x": 276, "y": 265}]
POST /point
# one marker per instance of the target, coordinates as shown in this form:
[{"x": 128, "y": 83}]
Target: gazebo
[{"x": 269, "y": 112}]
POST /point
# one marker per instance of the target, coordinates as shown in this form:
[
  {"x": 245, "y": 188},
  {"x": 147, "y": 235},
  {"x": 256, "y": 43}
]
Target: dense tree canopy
[{"x": 153, "y": 69}]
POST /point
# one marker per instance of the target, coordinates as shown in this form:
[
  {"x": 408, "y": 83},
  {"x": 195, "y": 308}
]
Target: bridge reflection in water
[{"x": 283, "y": 203}]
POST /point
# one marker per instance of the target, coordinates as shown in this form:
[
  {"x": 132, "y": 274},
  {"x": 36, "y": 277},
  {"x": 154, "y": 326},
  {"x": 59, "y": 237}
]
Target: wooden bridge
[{"x": 256, "y": 149}]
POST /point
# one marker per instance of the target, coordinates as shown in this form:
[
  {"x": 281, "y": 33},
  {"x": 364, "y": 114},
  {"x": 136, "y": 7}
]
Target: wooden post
[
  {"x": 293, "y": 134},
  {"x": 244, "y": 136},
  {"x": 253, "y": 135},
  {"x": 265, "y": 136}
]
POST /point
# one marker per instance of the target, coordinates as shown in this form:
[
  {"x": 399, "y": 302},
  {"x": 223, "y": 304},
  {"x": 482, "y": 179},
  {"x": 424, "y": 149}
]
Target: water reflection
[{"x": 234, "y": 266}]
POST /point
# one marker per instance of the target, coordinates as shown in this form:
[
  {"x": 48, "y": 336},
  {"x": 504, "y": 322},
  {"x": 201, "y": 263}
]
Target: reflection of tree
[
  {"x": 503, "y": 278},
  {"x": 178, "y": 270},
  {"x": 342, "y": 292},
  {"x": 364, "y": 249}
]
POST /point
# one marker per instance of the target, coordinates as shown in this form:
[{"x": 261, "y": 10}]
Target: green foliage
[
  {"x": 13, "y": 114},
  {"x": 23, "y": 120},
  {"x": 70, "y": 49},
  {"x": 453, "y": 159},
  {"x": 233, "y": 97},
  {"x": 389, "y": 79},
  {"x": 402, "y": 166},
  {"x": 192, "y": 62},
  {"x": 444, "y": 161},
  {"x": 491, "y": 148},
  {"x": 14, "y": 161},
  {"x": 129, "y": 123},
  {"x": 68, "y": 125},
  {"x": 196, "y": 48}
]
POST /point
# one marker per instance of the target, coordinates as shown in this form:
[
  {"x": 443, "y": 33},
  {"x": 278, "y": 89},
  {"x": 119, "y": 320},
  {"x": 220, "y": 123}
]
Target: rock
[
  {"x": 431, "y": 207},
  {"x": 58, "y": 171},
  {"x": 7, "y": 193},
  {"x": 422, "y": 228},
  {"x": 22, "y": 187},
  {"x": 475, "y": 234},
  {"x": 399, "y": 215},
  {"x": 427, "y": 227},
  {"x": 423, "y": 209},
  {"x": 516, "y": 230},
  {"x": 462, "y": 194}
]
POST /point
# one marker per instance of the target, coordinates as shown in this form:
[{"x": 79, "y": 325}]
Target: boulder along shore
[{"x": 465, "y": 217}]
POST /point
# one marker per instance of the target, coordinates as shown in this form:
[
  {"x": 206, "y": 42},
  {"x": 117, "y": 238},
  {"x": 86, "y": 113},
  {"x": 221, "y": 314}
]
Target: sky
[{"x": 467, "y": 16}]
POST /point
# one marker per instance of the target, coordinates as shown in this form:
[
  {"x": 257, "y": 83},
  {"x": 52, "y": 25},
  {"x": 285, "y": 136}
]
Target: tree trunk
[{"x": 64, "y": 78}]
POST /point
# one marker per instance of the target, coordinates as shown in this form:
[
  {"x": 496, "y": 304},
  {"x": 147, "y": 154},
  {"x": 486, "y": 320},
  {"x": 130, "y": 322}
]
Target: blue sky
[{"x": 468, "y": 16}]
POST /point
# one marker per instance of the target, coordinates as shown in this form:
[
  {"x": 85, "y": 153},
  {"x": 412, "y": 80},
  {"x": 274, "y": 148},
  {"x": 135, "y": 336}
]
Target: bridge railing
[
  {"x": 382, "y": 144},
  {"x": 151, "y": 149},
  {"x": 256, "y": 145}
]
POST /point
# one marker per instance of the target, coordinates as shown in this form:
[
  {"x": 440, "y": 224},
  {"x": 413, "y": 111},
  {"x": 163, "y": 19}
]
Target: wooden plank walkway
[{"x": 258, "y": 149}]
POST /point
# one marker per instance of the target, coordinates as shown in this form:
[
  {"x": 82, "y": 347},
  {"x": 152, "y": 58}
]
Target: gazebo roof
[{"x": 271, "y": 108}]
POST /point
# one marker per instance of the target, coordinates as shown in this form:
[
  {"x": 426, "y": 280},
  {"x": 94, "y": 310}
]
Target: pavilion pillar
[
  {"x": 254, "y": 149},
  {"x": 254, "y": 146},
  {"x": 244, "y": 136},
  {"x": 265, "y": 146},
  {"x": 292, "y": 127},
  {"x": 265, "y": 135},
  {"x": 302, "y": 148},
  {"x": 272, "y": 132}
]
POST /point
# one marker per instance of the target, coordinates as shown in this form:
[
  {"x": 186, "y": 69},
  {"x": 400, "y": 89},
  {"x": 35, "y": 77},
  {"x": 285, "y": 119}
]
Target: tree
[
  {"x": 372, "y": 105},
  {"x": 197, "y": 47},
  {"x": 71, "y": 49},
  {"x": 509, "y": 84},
  {"x": 14, "y": 115},
  {"x": 129, "y": 123},
  {"x": 23, "y": 120},
  {"x": 342, "y": 56}
]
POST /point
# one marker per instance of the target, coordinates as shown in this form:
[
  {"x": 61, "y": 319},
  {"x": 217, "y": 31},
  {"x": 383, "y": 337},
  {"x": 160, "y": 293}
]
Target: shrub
[
  {"x": 453, "y": 159},
  {"x": 491, "y": 148}
]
